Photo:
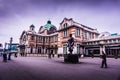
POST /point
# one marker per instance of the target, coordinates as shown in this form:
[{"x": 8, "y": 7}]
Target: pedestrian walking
[{"x": 104, "y": 61}]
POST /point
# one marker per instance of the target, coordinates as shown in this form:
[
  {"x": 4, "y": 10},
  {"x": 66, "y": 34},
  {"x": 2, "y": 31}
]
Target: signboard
[
  {"x": 13, "y": 47},
  {"x": 114, "y": 34}
]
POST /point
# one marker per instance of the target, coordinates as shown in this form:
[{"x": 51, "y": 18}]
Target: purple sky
[{"x": 18, "y": 15}]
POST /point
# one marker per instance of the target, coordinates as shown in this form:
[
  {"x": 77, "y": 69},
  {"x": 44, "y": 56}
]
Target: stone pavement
[{"x": 42, "y": 68}]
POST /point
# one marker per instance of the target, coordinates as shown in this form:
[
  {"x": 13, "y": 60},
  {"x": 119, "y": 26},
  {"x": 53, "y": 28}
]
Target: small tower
[{"x": 32, "y": 27}]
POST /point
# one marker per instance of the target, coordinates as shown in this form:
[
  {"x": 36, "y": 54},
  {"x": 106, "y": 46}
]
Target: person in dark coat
[{"x": 104, "y": 61}]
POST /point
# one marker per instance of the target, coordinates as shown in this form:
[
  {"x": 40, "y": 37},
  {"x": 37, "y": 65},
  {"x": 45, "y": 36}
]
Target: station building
[{"x": 50, "y": 40}]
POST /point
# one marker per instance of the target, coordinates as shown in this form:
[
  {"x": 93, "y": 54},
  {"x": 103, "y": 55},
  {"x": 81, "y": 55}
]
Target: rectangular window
[
  {"x": 65, "y": 33},
  {"x": 90, "y": 35},
  {"x": 46, "y": 39},
  {"x": 52, "y": 39},
  {"x": 114, "y": 41},
  {"x": 56, "y": 39},
  {"x": 65, "y": 25},
  {"x": 64, "y": 49},
  {"x": 32, "y": 37},
  {"x": 110, "y": 41},
  {"x": 39, "y": 39},
  {"x": 77, "y": 32},
  {"x": 85, "y": 35}
]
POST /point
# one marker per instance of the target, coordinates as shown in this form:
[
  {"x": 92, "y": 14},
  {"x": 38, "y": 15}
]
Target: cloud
[{"x": 18, "y": 15}]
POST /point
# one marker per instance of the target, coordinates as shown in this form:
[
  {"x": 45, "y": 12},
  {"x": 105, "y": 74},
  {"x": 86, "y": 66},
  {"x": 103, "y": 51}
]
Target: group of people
[{"x": 7, "y": 55}]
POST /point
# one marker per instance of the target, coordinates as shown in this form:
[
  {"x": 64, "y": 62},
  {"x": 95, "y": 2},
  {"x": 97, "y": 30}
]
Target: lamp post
[{"x": 9, "y": 55}]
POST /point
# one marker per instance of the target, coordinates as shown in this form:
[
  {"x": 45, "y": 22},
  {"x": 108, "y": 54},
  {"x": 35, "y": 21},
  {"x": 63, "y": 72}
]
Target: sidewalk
[{"x": 42, "y": 68}]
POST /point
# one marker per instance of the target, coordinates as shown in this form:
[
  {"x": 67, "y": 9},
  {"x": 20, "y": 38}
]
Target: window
[
  {"x": 110, "y": 41},
  {"x": 32, "y": 29},
  {"x": 114, "y": 41},
  {"x": 52, "y": 39},
  {"x": 65, "y": 49},
  {"x": 39, "y": 39},
  {"x": 77, "y": 32},
  {"x": 65, "y": 25},
  {"x": 84, "y": 35},
  {"x": 32, "y": 37},
  {"x": 46, "y": 39},
  {"x": 90, "y": 35},
  {"x": 65, "y": 33},
  {"x": 56, "y": 38},
  {"x": 87, "y": 43},
  {"x": 39, "y": 49}
]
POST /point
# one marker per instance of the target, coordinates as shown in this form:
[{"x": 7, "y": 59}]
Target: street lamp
[{"x": 9, "y": 55}]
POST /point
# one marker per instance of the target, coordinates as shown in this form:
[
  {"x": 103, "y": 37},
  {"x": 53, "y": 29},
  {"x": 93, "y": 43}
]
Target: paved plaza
[{"x": 43, "y": 68}]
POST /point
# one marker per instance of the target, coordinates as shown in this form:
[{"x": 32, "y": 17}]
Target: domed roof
[
  {"x": 32, "y": 26},
  {"x": 48, "y": 25}
]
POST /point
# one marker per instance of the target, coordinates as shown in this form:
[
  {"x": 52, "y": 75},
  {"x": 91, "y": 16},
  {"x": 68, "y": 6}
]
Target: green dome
[{"x": 48, "y": 25}]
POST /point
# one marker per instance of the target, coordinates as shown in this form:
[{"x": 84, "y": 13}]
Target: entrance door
[{"x": 39, "y": 50}]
